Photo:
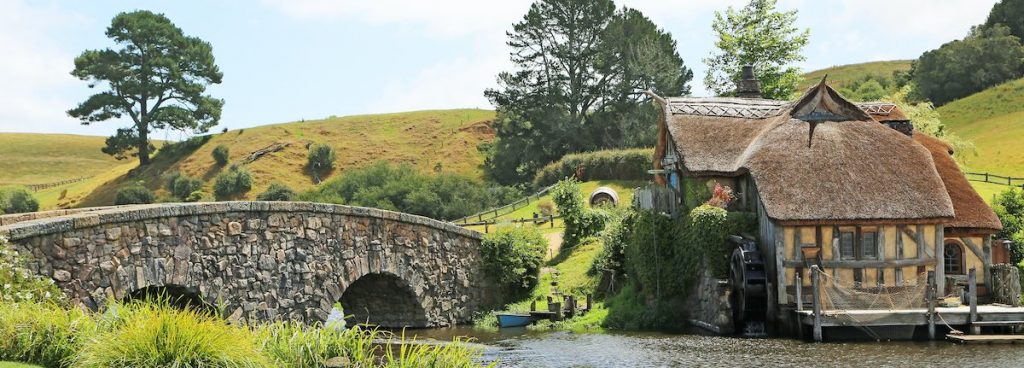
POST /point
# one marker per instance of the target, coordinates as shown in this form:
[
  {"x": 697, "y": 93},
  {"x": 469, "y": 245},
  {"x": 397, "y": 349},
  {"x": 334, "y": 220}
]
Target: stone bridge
[{"x": 264, "y": 261}]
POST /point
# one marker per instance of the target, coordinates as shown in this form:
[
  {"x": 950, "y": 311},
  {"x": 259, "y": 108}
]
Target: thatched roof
[
  {"x": 820, "y": 159},
  {"x": 972, "y": 214}
]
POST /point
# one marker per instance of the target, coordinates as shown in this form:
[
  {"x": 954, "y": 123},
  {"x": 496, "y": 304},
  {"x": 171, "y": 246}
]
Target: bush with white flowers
[{"x": 18, "y": 284}]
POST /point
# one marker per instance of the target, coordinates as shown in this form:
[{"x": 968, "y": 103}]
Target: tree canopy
[
  {"x": 155, "y": 75},
  {"x": 760, "y": 36},
  {"x": 985, "y": 58},
  {"x": 1009, "y": 13},
  {"x": 581, "y": 69}
]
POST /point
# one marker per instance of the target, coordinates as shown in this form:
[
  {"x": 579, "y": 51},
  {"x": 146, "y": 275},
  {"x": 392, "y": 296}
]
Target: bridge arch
[{"x": 262, "y": 261}]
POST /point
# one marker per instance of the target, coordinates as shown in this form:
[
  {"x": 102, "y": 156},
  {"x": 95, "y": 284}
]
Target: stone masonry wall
[{"x": 262, "y": 260}]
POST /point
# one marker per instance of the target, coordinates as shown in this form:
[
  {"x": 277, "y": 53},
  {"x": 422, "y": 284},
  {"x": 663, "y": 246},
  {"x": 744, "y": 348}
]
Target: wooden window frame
[
  {"x": 963, "y": 257},
  {"x": 859, "y": 250}
]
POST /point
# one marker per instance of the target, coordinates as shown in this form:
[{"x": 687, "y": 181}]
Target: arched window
[{"x": 954, "y": 258}]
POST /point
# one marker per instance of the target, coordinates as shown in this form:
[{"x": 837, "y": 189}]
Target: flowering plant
[
  {"x": 18, "y": 284},
  {"x": 721, "y": 197}
]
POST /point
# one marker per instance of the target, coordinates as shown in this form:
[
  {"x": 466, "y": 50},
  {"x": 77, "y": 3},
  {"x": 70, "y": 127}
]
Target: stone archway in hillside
[{"x": 385, "y": 300}]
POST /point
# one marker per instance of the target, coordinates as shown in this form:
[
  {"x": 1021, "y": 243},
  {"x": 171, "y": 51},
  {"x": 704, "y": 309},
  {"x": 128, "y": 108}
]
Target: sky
[{"x": 289, "y": 60}]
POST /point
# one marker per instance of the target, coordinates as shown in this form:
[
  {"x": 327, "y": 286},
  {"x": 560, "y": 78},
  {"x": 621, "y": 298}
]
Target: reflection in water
[{"x": 520, "y": 348}]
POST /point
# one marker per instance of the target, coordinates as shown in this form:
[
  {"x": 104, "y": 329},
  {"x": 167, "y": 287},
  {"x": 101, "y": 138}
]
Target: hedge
[{"x": 624, "y": 164}]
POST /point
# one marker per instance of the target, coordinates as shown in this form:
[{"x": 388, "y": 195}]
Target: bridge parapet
[{"x": 266, "y": 260}]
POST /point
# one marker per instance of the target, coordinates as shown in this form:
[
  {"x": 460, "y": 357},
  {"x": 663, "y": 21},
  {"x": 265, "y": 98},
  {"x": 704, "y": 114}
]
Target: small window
[
  {"x": 869, "y": 245},
  {"x": 954, "y": 258},
  {"x": 846, "y": 246}
]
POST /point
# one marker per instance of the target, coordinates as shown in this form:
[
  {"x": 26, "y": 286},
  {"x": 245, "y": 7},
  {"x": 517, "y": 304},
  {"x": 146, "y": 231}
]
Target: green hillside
[
  {"x": 444, "y": 140},
  {"x": 838, "y": 76},
  {"x": 29, "y": 158},
  {"x": 994, "y": 120}
]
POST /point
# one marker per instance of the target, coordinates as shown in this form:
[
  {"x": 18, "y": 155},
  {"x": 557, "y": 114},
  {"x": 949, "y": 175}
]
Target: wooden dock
[
  {"x": 956, "y": 316},
  {"x": 985, "y": 339}
]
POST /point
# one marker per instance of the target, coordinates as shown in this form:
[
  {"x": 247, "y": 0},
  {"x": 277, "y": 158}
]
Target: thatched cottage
[{"x": 851, "y": 185}]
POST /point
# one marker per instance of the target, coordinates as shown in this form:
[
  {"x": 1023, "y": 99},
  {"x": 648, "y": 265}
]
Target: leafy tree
[
  {"x": 987, "y": 57},
  {"x": 320, "y": 160},
  {"x": 581, "y": 68},
  {"x": 156, "y": 76},
  {"x": 17, "y": 199},
  {"x": 761, "y": 36},
  {"x": 1009, "y": 207},
  {"x": 513, "y": 257},
  {"x": 1009, "y": 13}
]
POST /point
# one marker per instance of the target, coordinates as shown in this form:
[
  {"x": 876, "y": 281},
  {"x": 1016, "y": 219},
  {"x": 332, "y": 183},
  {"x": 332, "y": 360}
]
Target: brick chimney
[{"x": 748, "y": 86}]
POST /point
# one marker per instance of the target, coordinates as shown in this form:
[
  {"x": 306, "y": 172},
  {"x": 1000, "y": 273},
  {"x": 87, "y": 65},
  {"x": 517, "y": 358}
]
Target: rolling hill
[
  {"x": 29, "y": 158},
  {"x": 994, "y": 120},
  {"x": 838, "y": 76},
  {"x": 438, "y": 140}
]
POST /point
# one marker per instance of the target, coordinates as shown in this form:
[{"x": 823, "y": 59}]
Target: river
[{"x": 522, "y": 348}]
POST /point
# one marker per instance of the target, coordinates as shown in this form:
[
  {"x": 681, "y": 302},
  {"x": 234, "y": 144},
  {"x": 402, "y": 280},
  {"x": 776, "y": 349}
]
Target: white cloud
[{"x": 34, "y": 69}]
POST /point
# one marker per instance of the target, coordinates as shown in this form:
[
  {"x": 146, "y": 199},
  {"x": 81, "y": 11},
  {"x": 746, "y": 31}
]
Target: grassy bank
[
  {"x": 152, "y": 334},
  {"x": 994, "y": 120}
]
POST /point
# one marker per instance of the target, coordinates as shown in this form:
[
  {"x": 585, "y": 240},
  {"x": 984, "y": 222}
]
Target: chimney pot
[{"x": 748, "y": 86}]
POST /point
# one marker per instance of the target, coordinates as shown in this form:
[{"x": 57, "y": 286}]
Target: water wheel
[{"x": 749, "y": 299}]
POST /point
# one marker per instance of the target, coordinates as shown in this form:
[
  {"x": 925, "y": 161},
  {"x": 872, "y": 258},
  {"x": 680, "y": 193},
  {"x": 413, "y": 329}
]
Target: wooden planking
[
  {"x": 940, "y": 263},
  {"x": 888, "y": 263},
  {"x": 986, "y": 339}
]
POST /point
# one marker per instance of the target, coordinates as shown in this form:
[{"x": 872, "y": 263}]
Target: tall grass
[
  {"x": 155, "y": 334},
  {"x": 158, "y": 335}
]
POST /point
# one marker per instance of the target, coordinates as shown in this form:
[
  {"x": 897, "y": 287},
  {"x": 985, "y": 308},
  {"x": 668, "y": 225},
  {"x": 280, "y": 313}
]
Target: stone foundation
[{"x": 710, "y": 307}]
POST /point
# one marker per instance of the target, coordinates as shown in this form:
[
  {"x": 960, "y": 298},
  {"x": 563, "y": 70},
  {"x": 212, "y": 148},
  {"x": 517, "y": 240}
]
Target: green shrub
[
  {"x": 221, "y": 154},
  {"x": 158, "y": 335},
  {"x": 402, "y": 188},
  {"x": 625, "y": 164},
  {"x": 277, "y": 192},
  {"x": 321, "y": 159},
  {"x": 198, "y": 196},
  {"x": 293, "y": 344},
  {"x": 580, "y": 222},
  {"x": 236, "y": 181},
  {"x": 17, "y": 199},
  {"x": 181, "y": 185},
  {"x": 513, "y": 257},
  {"x": 134, "y": 194}
]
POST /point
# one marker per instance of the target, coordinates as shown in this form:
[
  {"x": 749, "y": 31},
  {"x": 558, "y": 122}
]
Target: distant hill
[
  {"x": 444, "y": 140},
  {"x": 28, "y": 158},
  {"x": 838, "y": 76},
  {"x": 994, "y": 120}
]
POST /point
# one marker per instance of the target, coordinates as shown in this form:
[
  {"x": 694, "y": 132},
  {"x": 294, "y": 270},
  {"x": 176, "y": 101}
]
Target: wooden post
[
  {"x": 486, "y": 227},
  {"x": 799, "y": 292},
  {"x": 972, "y": 299},
  {"x": 533, "y": 305},
  {"x": 815, "y": 285},
  {"x": 590, "y": 302},
  {"x": 930, "y": 294}
]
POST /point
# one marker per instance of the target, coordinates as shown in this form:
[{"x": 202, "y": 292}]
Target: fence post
[
  {"x": 930, "y": 294},
  {"x": 815, "y": 284},
  {"x": 986, "y": 177}
]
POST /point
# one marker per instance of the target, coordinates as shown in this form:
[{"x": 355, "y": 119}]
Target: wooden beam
[
  {"x": 972, "y": 299},
  {"x": 815, "y": 284},
  {"x": 930, "y": 294},
  {"x": 797, "y": 244},
  {"x": 940, "y": 263},
  {"x": 780, "y": 271},
  {"x": 973, "y": 247},
  {"x": 899, "y": 254},
  {"x": 986, "y": 261},
  {"x": 888, "y": 263},
  {"x": 836, "y": 256}
]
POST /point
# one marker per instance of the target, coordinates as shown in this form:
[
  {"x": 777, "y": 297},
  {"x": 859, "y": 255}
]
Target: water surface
[{"x": 521, "y": 348}]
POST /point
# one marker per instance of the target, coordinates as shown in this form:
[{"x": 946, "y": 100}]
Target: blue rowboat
[{"x": 513, "y": 320}]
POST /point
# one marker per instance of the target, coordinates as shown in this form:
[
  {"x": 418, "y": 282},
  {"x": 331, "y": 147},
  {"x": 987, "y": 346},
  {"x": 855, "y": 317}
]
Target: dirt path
[{"x": 554, "y": 244}]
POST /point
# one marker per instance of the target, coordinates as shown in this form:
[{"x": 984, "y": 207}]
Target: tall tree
[
  {"x": 581, "y": 69},
  {"x": 1009, "y": 13},
  {"x": 985, "y": 58},
  {"x": 157, "y": 76},
  {"x": 757, "y": 35}
]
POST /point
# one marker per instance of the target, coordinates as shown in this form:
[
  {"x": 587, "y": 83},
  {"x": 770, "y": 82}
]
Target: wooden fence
[
  {"x": 503, "y": 210},
  {"x": 536, "y": 221},
  {"x": 43, "y": 186},
  {"x": 996, "y": 179}
]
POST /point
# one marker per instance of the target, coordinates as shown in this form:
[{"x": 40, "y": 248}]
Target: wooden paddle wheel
[{"x": 748, "y": 280}]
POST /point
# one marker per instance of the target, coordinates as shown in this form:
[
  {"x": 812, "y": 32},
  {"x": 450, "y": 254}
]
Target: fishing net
[{"x": 860, "y": 304}]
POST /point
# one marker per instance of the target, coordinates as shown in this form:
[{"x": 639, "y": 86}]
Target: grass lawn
[
  {"x": 988, "y": 191},
  {"x": 838, "y": 76},
  {"x": 45, "y": 158},
  {"x": 17, "y": 365},
  {"x": 994, "y": 120}
]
